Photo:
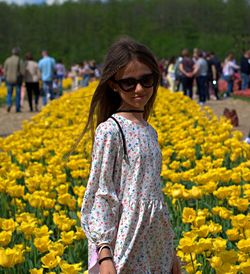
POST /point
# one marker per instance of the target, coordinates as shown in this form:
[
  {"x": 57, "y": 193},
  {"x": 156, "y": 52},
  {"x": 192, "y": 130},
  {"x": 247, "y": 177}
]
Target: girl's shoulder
[
  {"x": 153, "y": 131},
  {"x": 107, "y": 128}
]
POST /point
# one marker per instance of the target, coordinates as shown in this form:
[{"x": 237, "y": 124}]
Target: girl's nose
[{"x": 138, "y": 87}]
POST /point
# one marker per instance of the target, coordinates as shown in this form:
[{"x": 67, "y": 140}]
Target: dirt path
[
  {"x": 242, "y": 108},
  {"x": 10, "y": 122}
]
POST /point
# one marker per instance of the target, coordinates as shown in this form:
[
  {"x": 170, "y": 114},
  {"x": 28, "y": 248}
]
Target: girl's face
[{"x": 135, "y": 85}]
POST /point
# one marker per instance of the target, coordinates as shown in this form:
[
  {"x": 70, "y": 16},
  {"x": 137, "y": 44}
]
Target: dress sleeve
[{"x": 100, "y": 208}]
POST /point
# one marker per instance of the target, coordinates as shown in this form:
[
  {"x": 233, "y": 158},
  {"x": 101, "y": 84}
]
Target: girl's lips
[{"x": 138, "y": 97}]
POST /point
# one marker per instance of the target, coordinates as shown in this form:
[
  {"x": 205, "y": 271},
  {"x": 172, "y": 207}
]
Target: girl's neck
[{"x": 133, "y": 116}]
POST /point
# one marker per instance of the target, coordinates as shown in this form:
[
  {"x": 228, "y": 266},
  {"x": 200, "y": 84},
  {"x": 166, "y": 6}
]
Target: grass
[
  {"x": 2, "y": 102},
  {"x": 246, "y": 99}
]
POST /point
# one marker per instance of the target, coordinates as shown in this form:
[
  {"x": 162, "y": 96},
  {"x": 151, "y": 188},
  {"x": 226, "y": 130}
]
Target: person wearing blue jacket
[{"x": 47, "y": 68}]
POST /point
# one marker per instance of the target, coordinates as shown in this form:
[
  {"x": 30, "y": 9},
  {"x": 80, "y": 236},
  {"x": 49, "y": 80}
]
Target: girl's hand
[
  {"x": 176, "y": 268},
  {"x": 107, "y": 267}
]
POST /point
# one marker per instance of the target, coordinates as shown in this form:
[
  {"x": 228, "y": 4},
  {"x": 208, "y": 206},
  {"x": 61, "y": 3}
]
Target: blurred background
[{"x": 84, "y": 29}]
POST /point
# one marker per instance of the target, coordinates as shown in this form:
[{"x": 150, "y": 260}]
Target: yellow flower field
[
  {"x": 205, "y": 171},
  {"x": 3, "y": 92}
]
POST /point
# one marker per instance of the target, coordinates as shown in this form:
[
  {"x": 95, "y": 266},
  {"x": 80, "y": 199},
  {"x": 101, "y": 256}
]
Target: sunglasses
[{"x": 129, "y": 84}]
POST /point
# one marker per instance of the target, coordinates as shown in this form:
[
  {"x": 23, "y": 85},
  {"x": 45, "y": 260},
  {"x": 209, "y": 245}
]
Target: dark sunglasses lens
[
  {"x": 127, "y": 84},
  {"x": 148, "y": 80}
]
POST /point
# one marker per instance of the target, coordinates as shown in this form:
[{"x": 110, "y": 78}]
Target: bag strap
[
  {"x": 19, "y": 65},
  {"x": 123, "y": 138}
]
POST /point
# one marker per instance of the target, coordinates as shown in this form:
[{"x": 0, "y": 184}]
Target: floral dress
[{"x": 123, "y": 204}]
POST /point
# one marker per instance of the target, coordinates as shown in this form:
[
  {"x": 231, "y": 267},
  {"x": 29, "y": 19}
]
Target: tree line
[{"x": 75, "y": 31}]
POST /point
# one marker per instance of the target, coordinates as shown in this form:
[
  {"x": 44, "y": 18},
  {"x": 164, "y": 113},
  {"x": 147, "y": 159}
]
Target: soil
[
  {"x": 12, "y": 121},
  {"x": 242, "y": 108}
]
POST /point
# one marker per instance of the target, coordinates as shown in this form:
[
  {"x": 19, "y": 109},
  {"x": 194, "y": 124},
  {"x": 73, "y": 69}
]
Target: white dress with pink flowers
[{"x": 123, "y": 204}]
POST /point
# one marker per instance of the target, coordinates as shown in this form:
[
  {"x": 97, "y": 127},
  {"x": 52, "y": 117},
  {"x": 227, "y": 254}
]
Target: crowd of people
[
  {"x": 204, "y": 70},
  {"x": 200, "y": 71},
  {"x": 42, "y": 78}
]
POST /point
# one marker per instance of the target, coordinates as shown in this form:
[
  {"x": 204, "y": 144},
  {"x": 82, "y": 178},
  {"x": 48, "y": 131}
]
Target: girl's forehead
[{"x": 132, "y": 69}]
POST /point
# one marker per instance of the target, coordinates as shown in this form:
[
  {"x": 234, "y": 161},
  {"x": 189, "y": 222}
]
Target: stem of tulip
[{"x": 192, "y": 261}]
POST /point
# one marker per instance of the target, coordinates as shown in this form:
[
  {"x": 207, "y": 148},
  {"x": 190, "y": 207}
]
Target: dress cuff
[{"x": 93, "y": 263}]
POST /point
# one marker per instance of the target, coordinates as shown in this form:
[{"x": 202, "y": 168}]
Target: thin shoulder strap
[{"x": 123, "y": 137}]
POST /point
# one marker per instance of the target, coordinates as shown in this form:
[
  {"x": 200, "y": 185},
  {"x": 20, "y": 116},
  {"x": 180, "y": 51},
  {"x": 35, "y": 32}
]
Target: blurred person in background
[
  {"x": 200, "y": 72},
  {"x": 92, "y": 66},
  {"x": 95, "y": 72},
  {"x": 31, "y": 78},
  {"x": 229, "y": 67},
  {"x": 13, "y": 73},
  {"x": 47, "y": 68},
  {"x": 171, "y": 73},
  {"x": 214, "y": 73},
  {"x": 74, "y": 74},
  {"x": 186, "y": 68},
  {"x": 60, "y": 74},
  {"x": 178, "y": 74},
  {"x": 86, "y": 73},
  {"x": 245, "y": 70}
]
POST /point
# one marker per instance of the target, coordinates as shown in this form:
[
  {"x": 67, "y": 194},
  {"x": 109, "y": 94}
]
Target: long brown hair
[{"x": 105, "y": 101}]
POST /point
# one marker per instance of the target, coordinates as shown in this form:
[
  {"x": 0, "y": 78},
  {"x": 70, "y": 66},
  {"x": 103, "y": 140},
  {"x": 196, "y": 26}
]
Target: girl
[{"x": 123, "y": 213}]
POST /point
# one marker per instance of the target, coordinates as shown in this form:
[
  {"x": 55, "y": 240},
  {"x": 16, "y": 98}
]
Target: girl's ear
[{"x": 112, "y": 85}]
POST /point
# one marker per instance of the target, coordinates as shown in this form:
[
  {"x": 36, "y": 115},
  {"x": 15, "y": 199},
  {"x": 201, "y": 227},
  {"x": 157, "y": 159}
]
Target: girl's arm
[{"x": 100, "y": 208}]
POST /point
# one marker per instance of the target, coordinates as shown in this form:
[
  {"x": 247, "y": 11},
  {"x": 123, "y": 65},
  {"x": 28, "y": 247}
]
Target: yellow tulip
[
  {"x": 240, "y": 221},
  {"x": 187, "y": 245},
  {"x": 222, "y": 212},
  {"x": 214, "y": 228},
  {"x": 79, "y": 234},
  {"x": 36, "y": 271},
  {"x": 70, "y": 268},
  {"x": 15, "y": 191},
  {"x": 219, "y": 244},
  {"x": 192, "y": 267},
  {"x": 64, "y": 223},
  {"x": 216, "y": 262},
  {"x": 11, "y": 256},
  {"x": 57, "y": 248},
  {"x": 195, "y": 192},
  {"x": 241, "y": 204},
  {"x": 5, "y": 237},
  {"x": 68, "y": 237},
  {"x": 79, "y": 190},
  {"x": 188, "y": 215},
  {"x": 67, "y": 199},
  {"x": 230, "y": 256},
  {"x": 62, "y": 189},
  {"x": 203, "y": 245},
  {"x": 42, "y": 243},
  {"x": 244, "y": 245},
  {"x": 242, "y": 257},
  {"x": 50, "y": 260},
  {"x": 8, "y": 225},
  {"x": 27, "y": 228},
  {"x": 233, "y": 234},
  {"x": 244, "y": 267},
  {"x": 42, "y": 231},
  {"x": 202, "y": 231},
  {"x": 199, "y": 221}
]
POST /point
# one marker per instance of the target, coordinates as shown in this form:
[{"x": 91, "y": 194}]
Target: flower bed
[{"x": 205, "y": 175}]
